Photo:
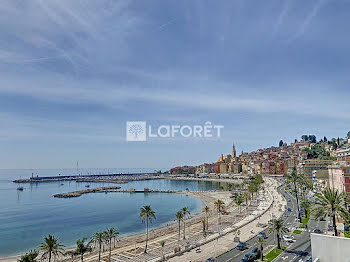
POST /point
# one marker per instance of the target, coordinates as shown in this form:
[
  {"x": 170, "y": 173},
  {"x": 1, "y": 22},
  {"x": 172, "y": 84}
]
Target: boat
[
  {"x": 87, "y": 186},
  {"x": 20, "y": 188}
]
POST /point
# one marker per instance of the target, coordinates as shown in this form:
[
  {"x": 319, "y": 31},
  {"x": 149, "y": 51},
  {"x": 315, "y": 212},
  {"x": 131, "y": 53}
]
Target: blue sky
[{"x": 72, "y": 73}]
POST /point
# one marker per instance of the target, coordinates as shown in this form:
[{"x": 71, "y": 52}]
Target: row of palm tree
[
  {"x": 106, "y": 237},
  {"x": 181, "y": 216},
  {"x": 219, "y": 206},
  {"x": 51, "y": 247}
]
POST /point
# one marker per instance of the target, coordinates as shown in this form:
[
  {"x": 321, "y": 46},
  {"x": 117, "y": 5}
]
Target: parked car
[
  {"x": 262, "y": 234},
  {"x": 256, "y": 252},
  {"x": 288, "y": 239},
  {"x": 309, "y": 259},
  {"x": 301, "y": 253},
  {"x": 242, "y": 246},
  {"x": 318, "y": 231},
  {"x": 248, "y": 258},
  {"x": 211, "y": 259},
  {"x": 289, "y": 209}
]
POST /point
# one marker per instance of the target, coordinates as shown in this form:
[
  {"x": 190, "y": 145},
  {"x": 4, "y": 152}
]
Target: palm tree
[
  {"x": 179, "y": 216},
  {"x": 110, "y": 234},
  {"x": 295, "y": 179},
  {"x": 246, "y": 197},
  {"x": 51, "y": 246},
  {"x": 239, "y": 202},
  {"x": 219, "y": 204},
  {"x": 162, "y": 244},
  {"x": 147, "y": 214},
  {"x": 252, "y": 188},
  {"x": 261, "y": 241},
  {"x": 305, "y": 204},
  {"x": 99, "y": 238},
  {"x": 203, "y": 223},
  {"x": 331, "y": 202},
  {"x": 276, "y": 225},
  {"x": 82, "y": 248},
  {"x": 29, "y": 257},
  {"x": 186, "y": 213},
  {"x": 206, "y": 210},
  {"x": 71, "y": 253}
]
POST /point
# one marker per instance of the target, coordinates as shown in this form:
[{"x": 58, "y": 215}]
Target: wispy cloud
[{"x": 307, "y": 21}]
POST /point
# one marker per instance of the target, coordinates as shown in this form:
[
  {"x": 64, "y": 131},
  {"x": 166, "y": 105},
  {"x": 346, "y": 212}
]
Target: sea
[{"x": 27, "y": 216}]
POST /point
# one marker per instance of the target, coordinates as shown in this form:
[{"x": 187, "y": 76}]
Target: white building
[{"x": 329, "y": 248}]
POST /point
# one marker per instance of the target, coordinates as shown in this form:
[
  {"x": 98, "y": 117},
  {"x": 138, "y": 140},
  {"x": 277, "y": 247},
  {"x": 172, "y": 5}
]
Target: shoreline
[{"x": 170, "y": 227}]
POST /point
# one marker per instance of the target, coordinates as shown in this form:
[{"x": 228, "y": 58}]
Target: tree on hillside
[
  {"x": 304, "y": 138},
  {"x": 312, "y": 139},
  {"x": 325, "y": 139},
  {"x": 281, "y": 143}
]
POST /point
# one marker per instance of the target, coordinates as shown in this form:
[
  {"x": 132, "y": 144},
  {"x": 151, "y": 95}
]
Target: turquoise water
[{"x": 29, "y": 215}]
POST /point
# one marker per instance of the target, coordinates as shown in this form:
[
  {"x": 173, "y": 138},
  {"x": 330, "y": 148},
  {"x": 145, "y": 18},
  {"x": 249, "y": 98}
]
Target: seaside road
[
  {"x": 300, "y": 251},
  {"x": 288, "y": 217},
  {"x": 221, "y": 245}
]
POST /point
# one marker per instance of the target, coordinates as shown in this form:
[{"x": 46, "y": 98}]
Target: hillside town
[{"x": 324, "y": 162}]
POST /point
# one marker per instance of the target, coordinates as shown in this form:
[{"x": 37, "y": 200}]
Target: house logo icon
[{"x": 136, "y": 131}]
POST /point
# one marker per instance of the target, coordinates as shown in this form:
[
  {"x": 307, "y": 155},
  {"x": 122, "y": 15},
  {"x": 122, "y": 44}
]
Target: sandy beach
[{"x": 126, "y": 242}]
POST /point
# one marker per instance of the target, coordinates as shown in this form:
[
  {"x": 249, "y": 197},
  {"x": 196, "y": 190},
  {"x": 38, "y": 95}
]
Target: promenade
[
  {"x": 196, "y": 246},
  {"x": 248, "y": 227}
]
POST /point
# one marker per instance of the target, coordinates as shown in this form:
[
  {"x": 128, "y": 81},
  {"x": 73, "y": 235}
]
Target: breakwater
[
  {"x": 111, "y": 189},
  {"x": 86, "y": 191},
  {"x": 110, "y": 178}
]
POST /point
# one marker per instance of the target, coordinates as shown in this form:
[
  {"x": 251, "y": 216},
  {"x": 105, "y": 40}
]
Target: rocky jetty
[
  {"x": 87, "y": 191},
  {"x": 111, "y": 189}
]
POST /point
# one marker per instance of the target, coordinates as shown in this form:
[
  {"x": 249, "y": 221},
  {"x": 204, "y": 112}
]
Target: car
[
  {"x": 242, "y": 246},
  {"x": 318, "y": 231},
  {"x": 256, "y": 252},
  {"x": 262, "y": 234},
  {"x": 301, "y": 253},
  {"x": 289, "y": 209},
  {"x": 288, "y": 239},
  {"x": 309, "y": 259},
  {"x": 211, "y": 259},
  {"x": 248, "y": 258}
]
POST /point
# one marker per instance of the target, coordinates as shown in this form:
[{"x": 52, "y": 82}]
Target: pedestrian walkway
[{"x": 226, "y": 242}]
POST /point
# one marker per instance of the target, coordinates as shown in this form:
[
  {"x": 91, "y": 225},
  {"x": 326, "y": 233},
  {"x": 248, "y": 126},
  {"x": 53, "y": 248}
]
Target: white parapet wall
[{"x": 329, "y": 248}]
